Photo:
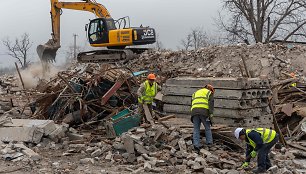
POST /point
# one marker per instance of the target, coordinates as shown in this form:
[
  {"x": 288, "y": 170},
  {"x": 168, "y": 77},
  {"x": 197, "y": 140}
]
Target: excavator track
[{"x": 109, "y": 55}]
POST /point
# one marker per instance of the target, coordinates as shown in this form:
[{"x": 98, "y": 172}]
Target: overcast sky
[{"x": 172, "y": 20}]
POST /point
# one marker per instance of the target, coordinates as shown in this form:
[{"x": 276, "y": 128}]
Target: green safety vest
[
  {"x": 149, "y": 93},
  {"x": 200, "y": 99},
  {"x": 267, "y": 135}
]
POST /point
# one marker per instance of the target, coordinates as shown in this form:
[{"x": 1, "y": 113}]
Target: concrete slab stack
[{"x": 238, "y": 101}]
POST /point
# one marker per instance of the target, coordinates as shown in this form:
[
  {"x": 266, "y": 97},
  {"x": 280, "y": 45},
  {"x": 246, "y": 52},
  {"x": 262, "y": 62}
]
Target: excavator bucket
[{"x": 47, "y": 52}]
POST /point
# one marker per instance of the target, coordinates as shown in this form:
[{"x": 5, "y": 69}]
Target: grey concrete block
[
  {"x": 263, "y": 121},
  {"x": 241, "y": 104},
  {"x": 222, "y": 112},
  {"x": 22, "y": 134},
  {"x": 47, "y": 126},
  {"x": 222, "y": 83},
  {"x": 219, "y": 93},
  {"x": 242, "y": 93},
  {"x": 221, "y": 103},
  {"x": 235, "y": 113}
]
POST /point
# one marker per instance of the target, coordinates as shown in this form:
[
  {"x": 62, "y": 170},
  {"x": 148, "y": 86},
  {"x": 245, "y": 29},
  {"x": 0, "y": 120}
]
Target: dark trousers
[{"x": 263, "y": 160}]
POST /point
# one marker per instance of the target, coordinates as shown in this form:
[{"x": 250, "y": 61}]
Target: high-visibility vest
[
  {"x": 267, "y": 135},
  {"x": 149, "y": 93},
  {"x": 200, "y": 99},
  {"x": 293, "y": 84}
]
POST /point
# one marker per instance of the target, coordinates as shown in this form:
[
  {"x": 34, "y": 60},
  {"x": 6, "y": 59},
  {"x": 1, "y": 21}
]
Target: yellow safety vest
[
  {"x": 267, "y": 135},
  {"x": 149, "y": 93},
  {"x": 200, "y": 99}
]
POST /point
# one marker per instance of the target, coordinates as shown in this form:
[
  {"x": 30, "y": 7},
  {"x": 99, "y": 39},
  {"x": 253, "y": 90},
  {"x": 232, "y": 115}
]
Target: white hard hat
[{"x": 237, "y": 131}]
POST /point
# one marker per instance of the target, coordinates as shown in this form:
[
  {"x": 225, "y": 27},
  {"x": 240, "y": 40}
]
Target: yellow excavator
[{"x": 103, "y": 31}]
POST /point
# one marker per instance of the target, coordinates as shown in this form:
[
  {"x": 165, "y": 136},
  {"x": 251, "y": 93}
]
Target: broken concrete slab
[
  {"x": 222, "y": 103},
  {"x": 47, "y": 126},
  {"x": 219, "y": 93},
  {"x": 29, "y": 152},
  {"x": 221, "y": 83},
  {"x": 128, "y": 143},
  {"x": 263, "y": 121},
  {"x": 185, "y": 109},
  {"x": 21, "y": 134},
  {"x": 59, "y": 132}
]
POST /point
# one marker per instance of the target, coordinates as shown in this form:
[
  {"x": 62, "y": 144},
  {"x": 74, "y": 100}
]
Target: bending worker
[
  {"x": 259, "y": 141},
  {"x": 146, "y": 93},
  {"x": 202, "y": 107}
]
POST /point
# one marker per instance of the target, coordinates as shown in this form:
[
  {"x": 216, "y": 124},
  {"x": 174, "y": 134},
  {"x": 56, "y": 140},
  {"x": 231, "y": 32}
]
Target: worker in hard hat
[
  {"x": 146, "y": 92},
  {"x": 259, "y": 143},
  {"x": 202, "y": 106}
]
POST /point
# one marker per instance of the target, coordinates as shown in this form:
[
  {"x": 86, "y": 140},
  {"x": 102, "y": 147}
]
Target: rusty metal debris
[{"x": 86, "y": 95}]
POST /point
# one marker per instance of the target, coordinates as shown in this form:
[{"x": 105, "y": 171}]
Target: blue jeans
[
  {"x": 263, "y": 160},
  {"x": 197, "y": 120}
]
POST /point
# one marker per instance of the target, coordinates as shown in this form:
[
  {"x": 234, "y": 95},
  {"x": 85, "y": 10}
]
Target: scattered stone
[
  {"x": 87, "y": 161},
  {"x": 96, "y": 153},
  {"x": 273, "y": 169},
  {"x": 210, "y": 171}
]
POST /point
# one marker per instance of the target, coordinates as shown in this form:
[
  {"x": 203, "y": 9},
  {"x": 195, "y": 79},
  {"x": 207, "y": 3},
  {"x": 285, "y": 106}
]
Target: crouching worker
[
  {"x": 259, "y": 142},
  {"x": 202, "y": 106}
]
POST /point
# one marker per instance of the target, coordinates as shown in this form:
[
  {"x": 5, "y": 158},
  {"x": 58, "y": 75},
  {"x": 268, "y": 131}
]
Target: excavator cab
[
  {"x": 106, "y": 32},
  {"x": 98, "y": 31}
]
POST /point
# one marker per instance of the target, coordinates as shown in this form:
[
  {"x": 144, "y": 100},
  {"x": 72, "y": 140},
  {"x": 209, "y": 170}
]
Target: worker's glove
[
  {"x": 253, "y": 154},
  {"x": 211, "y": 115},
  {"x": 245, "y": 165}
]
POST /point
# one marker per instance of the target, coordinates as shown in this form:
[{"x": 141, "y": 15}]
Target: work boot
[
  {"x": 209, "y": 145},
  {"x": 197, "y": 149},
  {"x": 268, "y": 167},
  {"x": 259, "y": 170}
]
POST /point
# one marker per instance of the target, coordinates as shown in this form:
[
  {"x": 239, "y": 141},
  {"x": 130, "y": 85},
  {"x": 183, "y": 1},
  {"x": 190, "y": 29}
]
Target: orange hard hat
[
  {"x": 210, "y": 87},
  {"x": 151, "y": 77}
]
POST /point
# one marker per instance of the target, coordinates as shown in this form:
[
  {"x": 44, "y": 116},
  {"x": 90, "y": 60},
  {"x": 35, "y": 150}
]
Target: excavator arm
[
  {"x": 102, "y": 32},
  {"x": 47, "y": 52}
]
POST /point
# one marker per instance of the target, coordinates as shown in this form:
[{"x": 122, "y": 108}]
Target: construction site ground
[{"x": 78, "y": 104}]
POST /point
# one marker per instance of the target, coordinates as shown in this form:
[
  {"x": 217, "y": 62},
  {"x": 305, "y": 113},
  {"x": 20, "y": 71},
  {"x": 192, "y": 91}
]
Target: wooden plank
[
  {"x": 297, "y": 146},
  {"x": 276, "y": 126},
  {"x": 148, "y": 114},
  {"x": 166, "y": 117}
]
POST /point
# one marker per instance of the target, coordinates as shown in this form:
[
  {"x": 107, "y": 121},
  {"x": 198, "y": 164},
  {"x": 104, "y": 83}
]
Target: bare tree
[
  {"x": 264, "y": 20},
  {"x": 158, "y": 44},
  {"x": 187, "y": 42},
  {"x": 198, "y": 38},
  {"x": 19, "y": 49}
]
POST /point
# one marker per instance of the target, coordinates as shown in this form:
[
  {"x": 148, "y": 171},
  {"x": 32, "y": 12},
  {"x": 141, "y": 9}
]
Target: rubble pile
[
  {"x": 226, "y": 61},
  {"x": 155, "y": 149},
  {"x": 290, "y": 108},
  {"x": 14, "y": 99},
  {"x": 86, "y": 116},
  {"x": 237, "y": 101},
  {"x": 84, "y": 94}
]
